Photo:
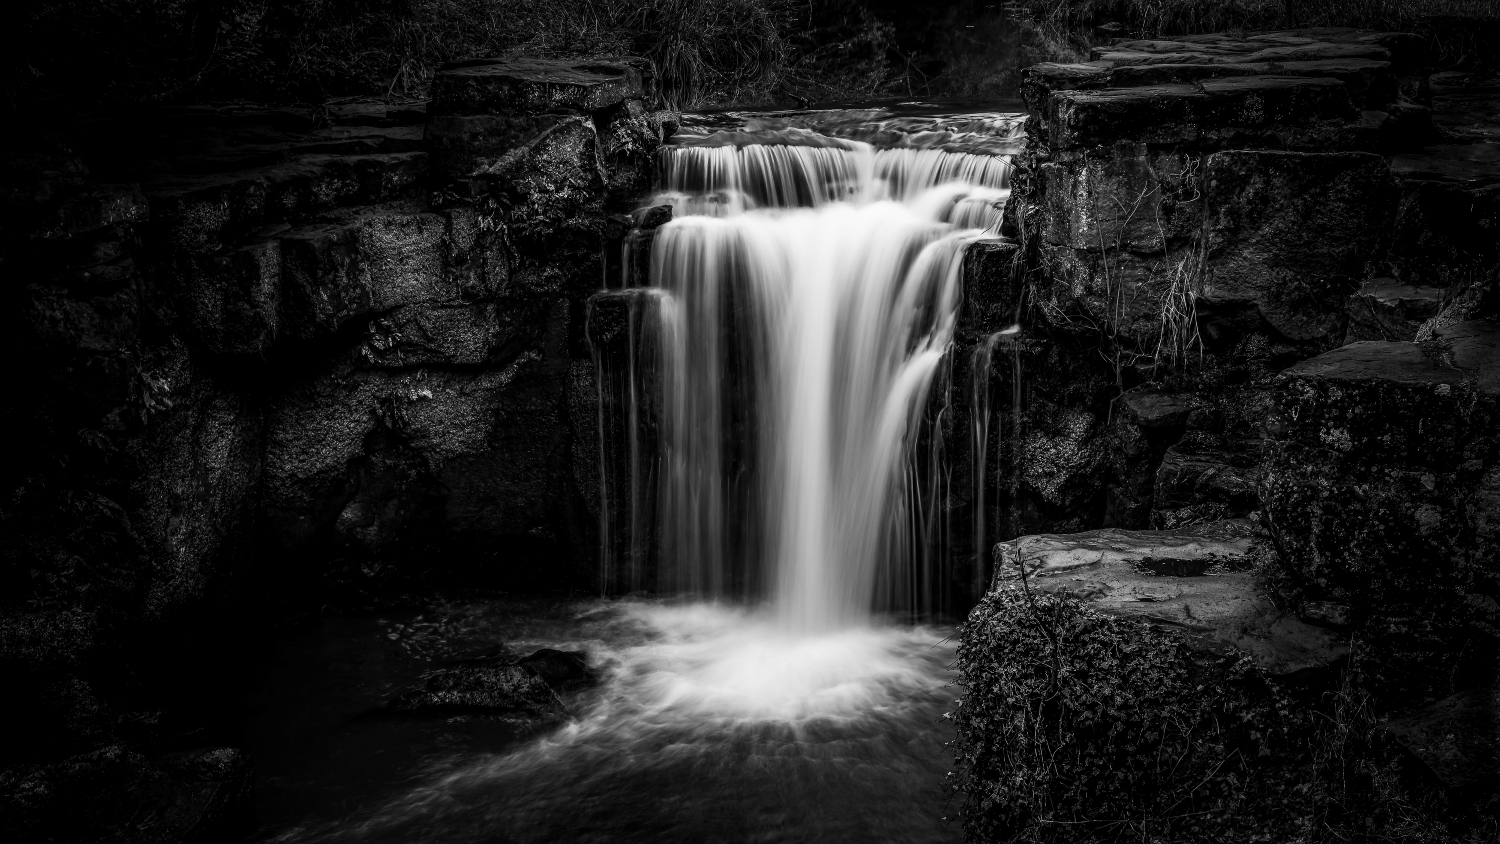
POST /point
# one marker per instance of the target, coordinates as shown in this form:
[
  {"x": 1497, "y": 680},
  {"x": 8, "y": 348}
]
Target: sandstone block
[
  {"x": 468, "y": 145},
  {"x": 1180, "y": 113},
  {"x": 1201, "y": 481},
  {"x": 1120, "y": 644}
]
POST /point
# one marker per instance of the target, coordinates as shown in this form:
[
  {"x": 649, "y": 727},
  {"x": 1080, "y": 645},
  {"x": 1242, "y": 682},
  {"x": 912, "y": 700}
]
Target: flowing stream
[{"x": 775, "y": 487}]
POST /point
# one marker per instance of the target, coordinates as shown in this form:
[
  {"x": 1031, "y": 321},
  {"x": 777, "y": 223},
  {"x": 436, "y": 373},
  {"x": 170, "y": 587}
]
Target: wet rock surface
[{"x": 1192, "y": 581}]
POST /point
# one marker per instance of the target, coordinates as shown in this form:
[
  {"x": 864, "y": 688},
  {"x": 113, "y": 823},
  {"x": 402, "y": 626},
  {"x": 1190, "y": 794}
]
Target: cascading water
[
  {"x": 810, "y": 289},
  {"x": 773, "y": 399}
]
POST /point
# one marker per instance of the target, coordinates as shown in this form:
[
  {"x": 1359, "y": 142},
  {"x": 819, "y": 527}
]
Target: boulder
[
  {"x": 88, "y": 209},
  {"x": 473, "y": 456},
  {"x": 227, "y": 302},
  {"x": 1152, "y": 409},
  {"x": 195, "y": 477},
  {"x": 1377, "y": 474},
  {"x": 374, "y": 260},
  {"x": 1118, "y": 677},
  {"x": 494, "y": 688}
]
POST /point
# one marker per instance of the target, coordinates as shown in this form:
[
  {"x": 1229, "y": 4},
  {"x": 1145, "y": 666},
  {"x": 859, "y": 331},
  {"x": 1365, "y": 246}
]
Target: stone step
[
  {"x": 1404, "y": 404},
  {"x": 1168, "y": 114},
  {"x": 1191, "y": 581},
  {"x": 1382, "y": 476}
]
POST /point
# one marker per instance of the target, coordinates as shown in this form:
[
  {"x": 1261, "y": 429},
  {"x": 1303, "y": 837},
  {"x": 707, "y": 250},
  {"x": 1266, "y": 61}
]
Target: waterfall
[{"x": 807, "y": 295}]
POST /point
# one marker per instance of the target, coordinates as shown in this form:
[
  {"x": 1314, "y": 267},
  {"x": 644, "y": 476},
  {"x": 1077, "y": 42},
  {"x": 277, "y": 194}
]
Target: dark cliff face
[{"x": 264, "y": 358}]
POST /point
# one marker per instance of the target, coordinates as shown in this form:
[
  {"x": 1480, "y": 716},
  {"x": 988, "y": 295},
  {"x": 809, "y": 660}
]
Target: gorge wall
[{"x": 267, "y": 356}]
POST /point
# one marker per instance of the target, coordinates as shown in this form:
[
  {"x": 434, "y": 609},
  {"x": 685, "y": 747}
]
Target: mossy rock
[{"x": 1082, "y": 724}]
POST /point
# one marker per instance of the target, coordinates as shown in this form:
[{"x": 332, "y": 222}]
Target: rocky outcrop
[
  {"x": 1138, "y": 680},
  {"x": 1197, "y": 214},
  {"x": 1380, "y": 481},
  {"x": 1278, "y": 244},
  {"x": 273, "y": 352}
]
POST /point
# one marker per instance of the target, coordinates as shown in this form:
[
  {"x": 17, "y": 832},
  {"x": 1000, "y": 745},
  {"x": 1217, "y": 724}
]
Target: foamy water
[{"x": 712, "y": 723}]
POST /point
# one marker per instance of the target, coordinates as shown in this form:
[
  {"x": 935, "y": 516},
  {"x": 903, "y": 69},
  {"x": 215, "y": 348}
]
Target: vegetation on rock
[{"x": 1079, "y": 725}]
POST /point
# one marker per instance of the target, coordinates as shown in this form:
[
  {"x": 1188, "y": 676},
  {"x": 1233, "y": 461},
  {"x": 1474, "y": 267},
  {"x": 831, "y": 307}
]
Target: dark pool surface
[{"x": 711, "y": 724}]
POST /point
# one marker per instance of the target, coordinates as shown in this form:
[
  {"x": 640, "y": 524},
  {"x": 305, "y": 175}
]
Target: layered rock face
[
  {"x": 1259, "y": 280},
  {"x": 1198, "y": 214},
  {"x": 276, "y": 349}
]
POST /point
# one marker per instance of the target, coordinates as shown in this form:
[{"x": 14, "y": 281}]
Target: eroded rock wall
[
  {"x": 1196, "y": 215},
  {"x": 263, "y": 356}
]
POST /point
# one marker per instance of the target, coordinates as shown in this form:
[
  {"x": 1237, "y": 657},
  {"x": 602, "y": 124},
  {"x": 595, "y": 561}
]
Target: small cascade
[
  {"x": 979, "y": 430},
  {"x": 804, "y": 304},
  {"x": 982, "y": 416}
]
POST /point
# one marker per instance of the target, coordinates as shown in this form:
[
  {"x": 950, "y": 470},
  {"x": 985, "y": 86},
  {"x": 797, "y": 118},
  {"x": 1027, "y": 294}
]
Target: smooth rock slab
[{"x": 1217, "y": 609}]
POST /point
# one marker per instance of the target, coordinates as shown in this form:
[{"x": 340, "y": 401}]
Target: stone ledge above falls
[{"x": 1324, "y": 89}]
